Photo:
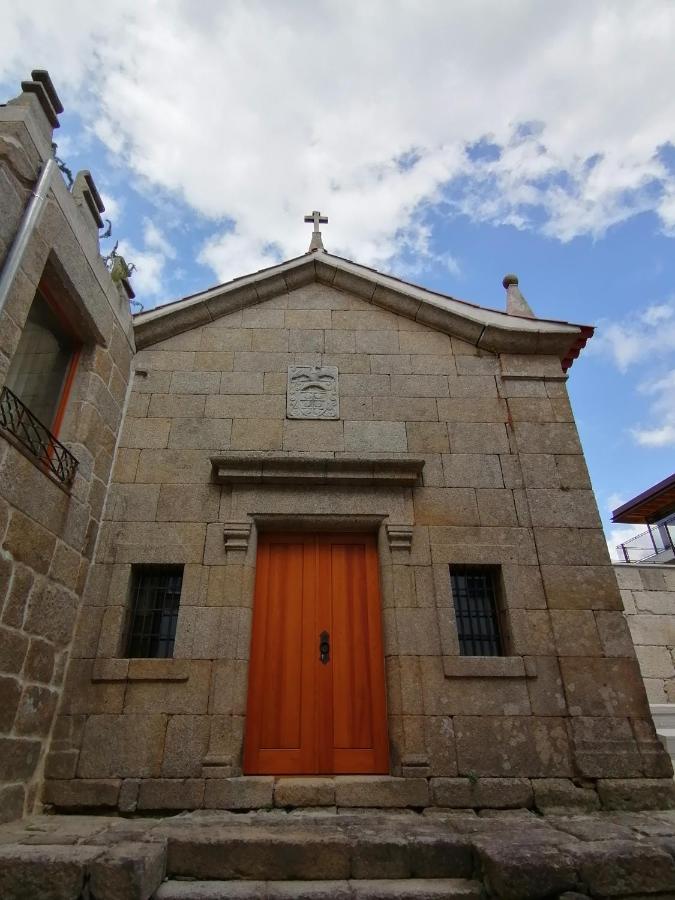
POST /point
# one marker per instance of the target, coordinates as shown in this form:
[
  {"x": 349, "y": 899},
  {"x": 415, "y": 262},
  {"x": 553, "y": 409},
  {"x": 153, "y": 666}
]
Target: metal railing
[
  {"x": 29, "y": 431},
  {"x": 654, "y": 545}
]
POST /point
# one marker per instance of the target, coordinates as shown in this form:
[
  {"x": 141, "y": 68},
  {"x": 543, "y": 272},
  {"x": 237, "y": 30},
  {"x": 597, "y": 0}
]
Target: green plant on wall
[{"x": 117, "y": 265}]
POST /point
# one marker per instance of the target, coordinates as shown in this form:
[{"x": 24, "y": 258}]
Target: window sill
[
  {"x": 140, "y": 670},
  {"x": 488, "y": 667}
]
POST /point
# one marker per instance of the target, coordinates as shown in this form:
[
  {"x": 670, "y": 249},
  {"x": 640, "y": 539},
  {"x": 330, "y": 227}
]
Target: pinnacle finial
[
  {"x": 316, "y": 242},
  {"x": 516, "y": 304}
]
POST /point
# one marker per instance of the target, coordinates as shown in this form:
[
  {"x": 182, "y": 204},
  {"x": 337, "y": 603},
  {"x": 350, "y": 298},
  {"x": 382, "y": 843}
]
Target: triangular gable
[{"x": 488, "y": 329}]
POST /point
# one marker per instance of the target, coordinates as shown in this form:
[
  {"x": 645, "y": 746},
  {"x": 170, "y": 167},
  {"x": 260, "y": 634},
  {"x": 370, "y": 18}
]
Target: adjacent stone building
[
  {"x": 647, "y": 583},
  {"x": 648, "y": 594},
  {"x": 349, "y": 555},
  {"x": 66, "y": 345}
]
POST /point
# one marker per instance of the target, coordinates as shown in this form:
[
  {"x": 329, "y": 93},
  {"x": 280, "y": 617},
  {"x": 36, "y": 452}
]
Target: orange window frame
[{"x": 71, "y": 371}]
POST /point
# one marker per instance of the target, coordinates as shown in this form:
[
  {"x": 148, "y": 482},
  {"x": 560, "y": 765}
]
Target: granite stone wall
[
  {"x": 504, "y": 483},
  {"x": 648, "y": 594},
  {"x": 48, "y": 530}
]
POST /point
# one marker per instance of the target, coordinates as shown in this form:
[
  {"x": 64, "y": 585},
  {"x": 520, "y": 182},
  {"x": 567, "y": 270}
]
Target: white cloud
[
  {"x": 647, "y": 335},
  {"x": 655, "y": 437},
  {"x": 662, "y": 409},
  {"x": 619, "y": 534},
  {"x": 155, "y": 240},
  {"x": 149, "y": 261},
  {"x": 622, "y": 533},
  {"x": 65, "y": 146},
  {"x": 625, "y": 344},
  {"x": 414, "y": 253},
  {"x": 146, "y": 277},
  {"x": 235, "y": 254},
  {"x": 659, "y": 312},
  {"x": 614, "y": 501},
  {"x": 258, "y": 112},
  {"x": 452, "y": 265},
  {"x": 666, "y": 209},
  {"x": 104, "y": 131},
  {"x": 646, "y": 341},
  {"x": 113, "y": 207}
]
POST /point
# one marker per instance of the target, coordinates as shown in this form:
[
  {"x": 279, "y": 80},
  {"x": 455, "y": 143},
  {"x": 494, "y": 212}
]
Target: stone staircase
[
  {"x": 320, "y": 856},
  {"x": 340, "y": 854},
  {"x": 353, "y": 889}
]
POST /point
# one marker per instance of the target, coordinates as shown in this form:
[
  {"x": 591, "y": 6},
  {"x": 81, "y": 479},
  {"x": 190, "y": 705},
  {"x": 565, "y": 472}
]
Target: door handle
[{"x": 324, "y": 647}]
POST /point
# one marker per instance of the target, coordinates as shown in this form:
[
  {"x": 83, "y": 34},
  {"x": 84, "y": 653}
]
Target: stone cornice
[
  {"x": 245, "y": 468},
  {"x": 489, "y": 329}
]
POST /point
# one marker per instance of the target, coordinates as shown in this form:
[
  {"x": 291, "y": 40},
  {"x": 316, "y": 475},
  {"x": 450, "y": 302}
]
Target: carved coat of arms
[{"x": 312, "y": 392}]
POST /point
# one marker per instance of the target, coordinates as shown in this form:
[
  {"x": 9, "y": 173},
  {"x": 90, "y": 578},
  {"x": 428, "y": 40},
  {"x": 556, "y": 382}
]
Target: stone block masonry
[
  {"x": 499, "y": 487},
  {"x": 648, "y": 594},
  {"x": 48, "y": 530},
  {"x": 455, "y": 446},
  {"x": 343, "y": 854}
]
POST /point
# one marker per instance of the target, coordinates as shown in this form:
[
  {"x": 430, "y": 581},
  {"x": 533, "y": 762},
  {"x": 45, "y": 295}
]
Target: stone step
[
  {"x": 379, "y": 889},
  {"x": 132, "y": 871},
  {"x": 358, "y": 849},
  {"x": 516, "y": 855}
]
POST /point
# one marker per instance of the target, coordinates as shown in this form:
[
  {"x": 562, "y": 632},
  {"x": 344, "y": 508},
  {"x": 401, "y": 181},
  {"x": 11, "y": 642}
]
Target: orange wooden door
[{"x": 305, "y": 715}]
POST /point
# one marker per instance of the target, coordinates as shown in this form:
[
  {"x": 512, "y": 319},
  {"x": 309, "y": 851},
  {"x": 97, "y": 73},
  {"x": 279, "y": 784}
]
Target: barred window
[
  {"x": 475, "y": 592},
  {"x": 155, "y": 596}
]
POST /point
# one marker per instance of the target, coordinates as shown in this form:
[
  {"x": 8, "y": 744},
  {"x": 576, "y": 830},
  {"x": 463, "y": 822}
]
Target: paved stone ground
[{"x": 329, "y": 853}]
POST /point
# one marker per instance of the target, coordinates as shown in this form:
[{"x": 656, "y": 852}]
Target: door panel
[
  {"x": 280, "y": 722},
  {"x": 282, "y": 701},
  {"x": 351, "y": 677},
  {"x": 359, "y": 735},
  {"x": 305, "y": 716}
]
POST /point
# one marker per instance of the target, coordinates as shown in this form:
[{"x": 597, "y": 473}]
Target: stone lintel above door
[{"x": 279, "y": 468}]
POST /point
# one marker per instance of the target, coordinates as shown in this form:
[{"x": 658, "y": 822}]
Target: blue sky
[{"x": 449, "y": 143}]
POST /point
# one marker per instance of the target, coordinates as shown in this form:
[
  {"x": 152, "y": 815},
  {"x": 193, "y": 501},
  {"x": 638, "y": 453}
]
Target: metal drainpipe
[{"x": 29, "y": 222}]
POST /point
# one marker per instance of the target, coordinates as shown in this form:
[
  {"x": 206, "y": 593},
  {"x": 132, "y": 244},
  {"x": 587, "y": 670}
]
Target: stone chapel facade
[{"x": 335, "y": 545}]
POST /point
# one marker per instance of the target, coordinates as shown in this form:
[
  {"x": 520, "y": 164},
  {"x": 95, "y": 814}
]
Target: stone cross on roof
[{"x": 316, "y": 243}]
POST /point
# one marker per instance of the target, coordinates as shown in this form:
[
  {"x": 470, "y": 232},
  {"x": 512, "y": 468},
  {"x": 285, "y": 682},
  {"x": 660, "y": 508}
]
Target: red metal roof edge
[
  {"x": 587, "y": 332},
  {"x": 650, "y": 494}
]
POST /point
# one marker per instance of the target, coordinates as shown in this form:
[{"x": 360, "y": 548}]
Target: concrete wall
[
  {"x": 47, "y": 533},
  {"x": 504, "y": 483}
]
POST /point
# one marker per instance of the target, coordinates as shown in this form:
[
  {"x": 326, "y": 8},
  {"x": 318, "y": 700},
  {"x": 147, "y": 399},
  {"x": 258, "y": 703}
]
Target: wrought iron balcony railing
[
  {"x": 655, "y": 545},
  {"x": 31, "y": 434}
]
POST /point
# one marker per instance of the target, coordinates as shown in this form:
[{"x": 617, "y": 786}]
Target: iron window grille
[
  {"x": 476, "y": 599},
  {"x": 32, "y": 435},
  {"x": 155, "y": 601}
]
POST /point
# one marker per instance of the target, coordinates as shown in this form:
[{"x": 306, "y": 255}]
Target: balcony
[
  {"x": 655, "y": 545},
  {"x": 35, "y": 439}
]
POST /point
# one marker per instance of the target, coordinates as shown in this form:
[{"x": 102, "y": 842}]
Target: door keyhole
[{"x": 324, "y": 647}]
